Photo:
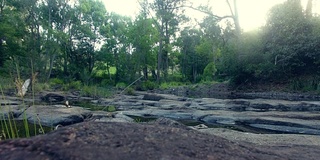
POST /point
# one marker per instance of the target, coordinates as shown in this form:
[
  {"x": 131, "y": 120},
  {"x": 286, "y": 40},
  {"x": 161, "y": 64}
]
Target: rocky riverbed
[
  {"x": 237, "y": 128},
  {"x": 262, "y": 121}
]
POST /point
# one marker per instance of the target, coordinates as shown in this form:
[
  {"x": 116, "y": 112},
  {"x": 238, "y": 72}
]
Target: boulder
[{"x": 94, "y": 140}]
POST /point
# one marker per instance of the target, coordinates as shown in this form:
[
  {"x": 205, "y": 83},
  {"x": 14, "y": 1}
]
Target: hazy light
[{"x": 252, "y": 13}]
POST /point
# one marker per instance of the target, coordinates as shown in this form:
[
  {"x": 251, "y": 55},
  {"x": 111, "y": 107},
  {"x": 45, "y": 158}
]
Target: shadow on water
[
  {"x": 94, "y": 107},
  {"x": 237, "y": 126},
  {"x": 139, "y": 119}
]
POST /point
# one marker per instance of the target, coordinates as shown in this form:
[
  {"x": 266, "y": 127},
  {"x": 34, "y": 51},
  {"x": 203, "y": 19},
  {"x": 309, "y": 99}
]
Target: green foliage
[
  {"x": 107, "y": 82},
  {"x": 193, "y": 58},
  {"x": 89, "y": 105},
  {"x": 290, "y": 40},
  {"x": 130, "y": 91},
  {"x": 111, "y": 109},
  {"x": 56, "y": 81},
  {"x": 209, "y": 72},
  {"x": 74, "y": 85},
  {"x": 146, "y": 85},
  {"x": 6, "y": 83},
  {"x": 173, "y": 84},
  {"x": 95, "y": 91},
  {"x": 121, "y": 85},
  {"x": 39, "y": 87},
  {"x": 61, "y": 39},
  {"x": 305, "y": 84}
]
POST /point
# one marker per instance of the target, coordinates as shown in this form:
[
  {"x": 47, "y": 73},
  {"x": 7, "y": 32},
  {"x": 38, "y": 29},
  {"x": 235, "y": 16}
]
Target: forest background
[{"x": 78, "y": 43}]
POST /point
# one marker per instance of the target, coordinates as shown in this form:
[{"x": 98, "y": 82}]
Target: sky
[{"x": 252, "y": 13}]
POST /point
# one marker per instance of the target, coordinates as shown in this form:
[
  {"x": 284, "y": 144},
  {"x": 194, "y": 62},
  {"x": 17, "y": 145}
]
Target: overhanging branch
[{"x": 219, "y": 18}]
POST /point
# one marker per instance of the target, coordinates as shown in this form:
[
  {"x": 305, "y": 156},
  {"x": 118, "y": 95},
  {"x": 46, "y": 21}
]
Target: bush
[
  {"x": 209, "y": 72},
  {"x": 111, "y": 108},
  {"x": 168, "y": 85},
  {"x": 107, "y": 82},
  {"x": 147, "y": 85},
  {"x": 95, "y": 91},
  {"x": 75, "y": 85},
  {"x": 56, "y": 81},
  {"x": 130, "y": 91},
  {"x": 121, "y": 85},
  {"x": 177, "y": 77}
]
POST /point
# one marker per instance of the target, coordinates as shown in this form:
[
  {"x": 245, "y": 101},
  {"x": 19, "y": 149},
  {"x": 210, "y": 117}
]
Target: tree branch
[{"x": 219, "y": 18}]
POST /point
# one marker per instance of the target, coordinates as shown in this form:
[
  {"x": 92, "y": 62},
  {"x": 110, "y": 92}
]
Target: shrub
[
  {"x": 111, "y": 108},
  {"x": 76, "y": 85},
  {"x": 147, "y": 85},
  {"x": 95, "y": 91},
  {"x": 56, "y": 81},
  {"x": 209, "y": 72},
  {"x": 168, "y": 85},
  {"x": 121, "y": 85},
  {"x": 130, "y": 91},
  {"x": 107, "y": 82}
]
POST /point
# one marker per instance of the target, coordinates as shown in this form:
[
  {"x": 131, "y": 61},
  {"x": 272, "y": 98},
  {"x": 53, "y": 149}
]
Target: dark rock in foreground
[{"x": 93, "y": 140}]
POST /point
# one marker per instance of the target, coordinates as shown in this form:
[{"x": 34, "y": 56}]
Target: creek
[{"x": 261, "y": 116}]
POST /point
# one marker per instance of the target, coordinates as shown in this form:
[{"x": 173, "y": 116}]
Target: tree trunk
[
  {"x": 50, "y": 66},
  {"x": 236, "y": 18},
  {"x": 116, "y": 57},
  {"x": 309, "y": 8},
  {"x": 154, "y": 75},
  {"x": 160, "y": 54}
]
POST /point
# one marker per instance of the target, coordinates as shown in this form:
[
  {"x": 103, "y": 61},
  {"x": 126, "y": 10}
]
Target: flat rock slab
[
  {"x": 93, "y": 140},
  {"x": 56, "y": 114}
]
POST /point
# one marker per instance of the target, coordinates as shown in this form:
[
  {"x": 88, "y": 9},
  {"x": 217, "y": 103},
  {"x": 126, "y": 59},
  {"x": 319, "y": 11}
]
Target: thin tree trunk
[
  {"x": 309, "y": 8},
  {"x": 51, "y": 66},
  {"x": 160, "y": 54},
  {"x": 236, "y": 18}
]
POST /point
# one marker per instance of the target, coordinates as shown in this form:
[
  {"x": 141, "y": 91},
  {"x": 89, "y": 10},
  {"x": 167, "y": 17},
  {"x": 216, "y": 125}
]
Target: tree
[
  {"x": 57, "y": 19},
  {"x": 289, "y": 40},
  {"x": 91, "y": 15},
  {"x": 143, "y": 36},
  {"x": 192, "y": 60},
  {"x": 309, "y": 9},
  {"x": 14, "y": 34},
  {"x": 117, "y": 44},
  {"x": 168, "y": 16},
  {"x": 209, "y": 72}
]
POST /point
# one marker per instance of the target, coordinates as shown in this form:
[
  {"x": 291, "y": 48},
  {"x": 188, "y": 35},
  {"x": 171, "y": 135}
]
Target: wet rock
[
  {"x": 152, "y": 97},
  {"x": 213, "y": 119},
  {"x": 287, "y": 129},
  {"x": 53, "y": 97}
]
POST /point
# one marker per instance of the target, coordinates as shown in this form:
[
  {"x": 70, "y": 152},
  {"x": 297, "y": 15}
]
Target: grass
[
  {"x": 8, "y": 127},
  {"x": 6, "y": 83},
  {"x": 11, "y": 128},
  {"x": 168, "y": 85},
  {"x": 95, "y": 91},
  {"x": 88, "y": 105},
  {"x": 139, "y": 119},
  {"x": 20, "y": 131}
]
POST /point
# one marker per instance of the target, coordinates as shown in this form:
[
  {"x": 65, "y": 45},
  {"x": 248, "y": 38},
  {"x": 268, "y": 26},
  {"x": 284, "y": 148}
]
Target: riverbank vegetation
[{"x": 77, "y": 44}]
